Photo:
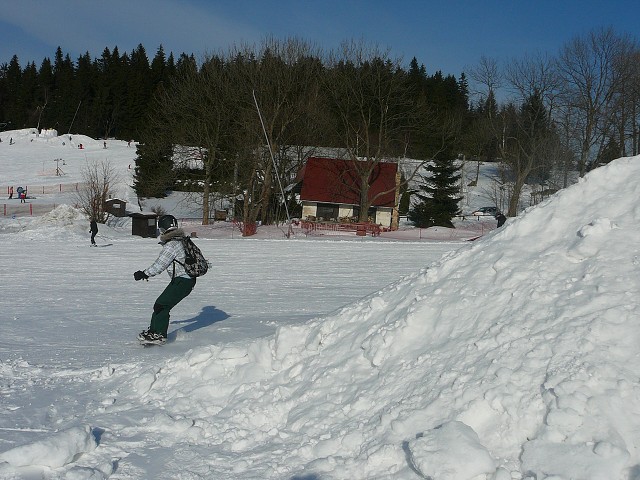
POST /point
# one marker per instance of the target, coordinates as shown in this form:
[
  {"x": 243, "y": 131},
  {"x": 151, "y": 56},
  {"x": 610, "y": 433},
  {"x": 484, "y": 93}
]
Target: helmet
[{"x": 167, "y": 222}]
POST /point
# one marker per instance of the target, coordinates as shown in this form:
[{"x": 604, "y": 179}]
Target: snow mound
[
  {"x": 61, "y": 216},
  {"x": 451, "y": 452},
  {"x": 63, "y": 221},
  {"x": 53, "y": 452},
  {"x": 473, "y": 368}
]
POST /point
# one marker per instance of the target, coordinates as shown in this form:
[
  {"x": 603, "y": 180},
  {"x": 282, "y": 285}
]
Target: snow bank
[
  {"x": 55, "y": 451},
  {"x": 63, "y": 221},
  {"x": 450, "y": 452},
  {"x": 513, "y": 358}
]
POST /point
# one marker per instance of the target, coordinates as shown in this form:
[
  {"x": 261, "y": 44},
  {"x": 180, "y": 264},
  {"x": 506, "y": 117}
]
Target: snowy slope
[{"x": 511, "y": 357}]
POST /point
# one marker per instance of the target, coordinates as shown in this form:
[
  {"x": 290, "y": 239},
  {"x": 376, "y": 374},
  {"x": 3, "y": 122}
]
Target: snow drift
[{"x": 514, "y": 357}]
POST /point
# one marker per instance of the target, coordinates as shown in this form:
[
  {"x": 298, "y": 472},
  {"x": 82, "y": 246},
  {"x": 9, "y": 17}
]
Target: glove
[{"x": 140, "y": 275}]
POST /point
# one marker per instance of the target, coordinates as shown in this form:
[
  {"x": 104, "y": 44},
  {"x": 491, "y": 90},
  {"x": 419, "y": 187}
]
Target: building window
[
  {"x": 327, "y": 212},
  {"x": 371, "y": 214}
]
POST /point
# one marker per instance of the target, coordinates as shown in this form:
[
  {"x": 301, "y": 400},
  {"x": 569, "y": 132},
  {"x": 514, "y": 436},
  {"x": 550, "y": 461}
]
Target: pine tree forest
[{"x": 111, "y": 96}]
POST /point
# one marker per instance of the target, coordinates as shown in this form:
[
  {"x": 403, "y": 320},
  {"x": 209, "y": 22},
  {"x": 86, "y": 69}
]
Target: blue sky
[{"x": 450, "y": 36}]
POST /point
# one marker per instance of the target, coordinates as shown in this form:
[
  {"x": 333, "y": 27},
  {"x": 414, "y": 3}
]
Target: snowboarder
[
  {"x": 93, "y": 229},
  {"x": 180, "y": 286},
  {"x": 501, "y": 219}
]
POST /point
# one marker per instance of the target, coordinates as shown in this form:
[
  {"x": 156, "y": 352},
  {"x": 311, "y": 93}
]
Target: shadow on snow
[{"x": 208, "y": 316}]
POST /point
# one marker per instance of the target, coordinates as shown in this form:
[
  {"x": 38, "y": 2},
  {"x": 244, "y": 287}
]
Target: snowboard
[{"x": 149, "y": 343}]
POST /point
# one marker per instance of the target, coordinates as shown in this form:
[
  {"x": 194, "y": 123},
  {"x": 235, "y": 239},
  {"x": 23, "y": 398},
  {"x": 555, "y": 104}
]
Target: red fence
[
  {"x": 18, "y": 209},
  {"x": 44, "y": 189},
  {"x": 360, "y": 229}
]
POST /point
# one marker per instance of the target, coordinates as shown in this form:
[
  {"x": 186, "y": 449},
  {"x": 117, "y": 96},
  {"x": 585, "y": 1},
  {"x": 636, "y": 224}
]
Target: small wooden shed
[
  {"x": 144, "y": 224},
  {"x": 116, "y": 207}
]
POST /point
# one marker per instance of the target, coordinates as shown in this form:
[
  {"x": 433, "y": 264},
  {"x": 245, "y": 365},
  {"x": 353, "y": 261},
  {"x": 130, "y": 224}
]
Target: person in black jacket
[
  {"x": 94, "y": 230},
  {"x": 501, "y": 219}
]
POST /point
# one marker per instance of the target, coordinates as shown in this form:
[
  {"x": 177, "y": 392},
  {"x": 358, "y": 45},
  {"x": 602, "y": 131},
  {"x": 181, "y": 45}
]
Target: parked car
[{"x": 484, "y": 211}]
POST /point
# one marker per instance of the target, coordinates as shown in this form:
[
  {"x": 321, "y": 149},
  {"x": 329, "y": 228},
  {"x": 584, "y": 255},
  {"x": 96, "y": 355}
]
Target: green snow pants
[{"x": 178, "y": 288}]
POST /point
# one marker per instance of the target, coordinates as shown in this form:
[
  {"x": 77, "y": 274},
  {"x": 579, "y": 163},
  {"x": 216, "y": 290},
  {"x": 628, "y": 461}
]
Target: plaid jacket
[{"x": 171, "y": 254}]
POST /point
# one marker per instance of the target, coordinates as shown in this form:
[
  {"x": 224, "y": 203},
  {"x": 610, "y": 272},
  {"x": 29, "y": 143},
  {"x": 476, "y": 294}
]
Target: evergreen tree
[
  {"x": 112, "y": 95},
  {"x": 139, "y": 90},
  {"x": 16, "y": 109},
  {"x": 170, "y": 70},
  {"x": 28, "y": 91},
  {"x": 63, "y": 94},
  {"x": 610, "y": 152},
  {"x": 86, "y": 89},
  {"x": 463, "y": 92},
  {"x": 153, "y": 175},
  {"x": 186, "y": 65},
  {"x": 45, "y": 87},
  {"x": 417, "y": 75},
  {"x": 4, "y": 98},
  {"x": 158, "y": 67},
  {"x": 439, "y": 198}
]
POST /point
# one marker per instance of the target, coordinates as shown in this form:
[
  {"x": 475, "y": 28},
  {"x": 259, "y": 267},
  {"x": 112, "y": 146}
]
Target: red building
[{"x": 330, "y": 191}]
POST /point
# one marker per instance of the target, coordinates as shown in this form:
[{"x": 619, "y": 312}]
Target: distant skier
[
  {"x": 181, "y": 285},
  {"x": 10, "y": 193},
  {"x": 93, "y": 228}
]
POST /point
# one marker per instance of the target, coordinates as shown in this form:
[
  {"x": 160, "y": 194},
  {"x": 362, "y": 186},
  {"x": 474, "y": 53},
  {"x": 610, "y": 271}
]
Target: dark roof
[{"x": 331, "y": 180}]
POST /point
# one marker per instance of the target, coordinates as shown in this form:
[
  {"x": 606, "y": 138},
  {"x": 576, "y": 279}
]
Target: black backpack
[{"x": 194, "y": 262}]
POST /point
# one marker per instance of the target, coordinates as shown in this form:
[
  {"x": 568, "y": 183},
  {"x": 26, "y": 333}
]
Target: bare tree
[
  {"x": 277, "y": 85},
  {"x": 374, "y": 109},
  {"x": 194, "y": 115},
  {"x": 534, "y": 75},
  {"x": 477, "y": 140},
  {"x": 634, "y": 94},
  {"x": 590, "y": 80},
  {"x": 623, "y": 115},
  {"x": 487, "y": 78},
  {"x": 534, "y": 82},
  {"x": 99, "y": 180},
  {"x": 521, "y": 129}
]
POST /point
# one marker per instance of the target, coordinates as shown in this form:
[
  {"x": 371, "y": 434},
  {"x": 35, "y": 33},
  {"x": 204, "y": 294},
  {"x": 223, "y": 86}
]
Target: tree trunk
[
  {"x": 206, "y": 190},
  {"x": 365, "y": 203}
]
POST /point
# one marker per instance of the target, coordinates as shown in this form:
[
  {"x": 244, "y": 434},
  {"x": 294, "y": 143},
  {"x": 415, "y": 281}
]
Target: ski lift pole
[
  {"x": 74, "y": 116},
  {"x": 275, "y": 166}
]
